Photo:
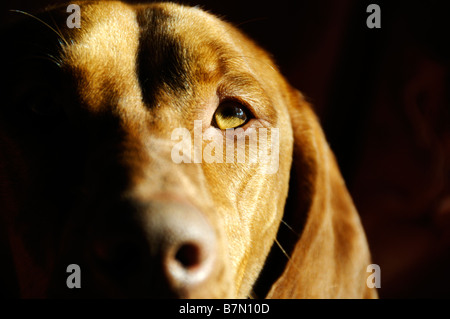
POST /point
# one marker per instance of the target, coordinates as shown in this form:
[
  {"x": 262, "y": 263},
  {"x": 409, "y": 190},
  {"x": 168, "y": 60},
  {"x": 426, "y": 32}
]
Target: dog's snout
[
  {"x": 184, "y": 242},
  {"x": 165, "y": 246}
]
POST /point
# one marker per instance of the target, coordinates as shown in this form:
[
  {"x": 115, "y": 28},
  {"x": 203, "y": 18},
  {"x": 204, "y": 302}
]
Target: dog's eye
[
  {"x": 231, "y": 114},
  {"x": 43, "y": 105},
  {"x": 42, "y": 102}
]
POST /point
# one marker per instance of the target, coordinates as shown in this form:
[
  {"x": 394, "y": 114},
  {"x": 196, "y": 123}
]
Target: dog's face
[{"x": 89, "y": 153}]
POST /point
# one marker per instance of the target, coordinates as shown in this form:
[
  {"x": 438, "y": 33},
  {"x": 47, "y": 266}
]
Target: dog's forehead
[
  {"x": 175, "y": 50},
  {"x": 146, "y": 49},
  {"x": 101, "y": 53}
]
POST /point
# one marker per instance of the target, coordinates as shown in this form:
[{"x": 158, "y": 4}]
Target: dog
[{"x": 88, "y": 175}]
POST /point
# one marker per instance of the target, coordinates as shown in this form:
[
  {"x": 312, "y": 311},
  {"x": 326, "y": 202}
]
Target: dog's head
[{"x": 120, "y": 152}]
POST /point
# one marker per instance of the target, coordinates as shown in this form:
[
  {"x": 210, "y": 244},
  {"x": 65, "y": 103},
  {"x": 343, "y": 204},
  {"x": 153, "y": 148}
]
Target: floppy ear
[{"x": 330, "y": 254}]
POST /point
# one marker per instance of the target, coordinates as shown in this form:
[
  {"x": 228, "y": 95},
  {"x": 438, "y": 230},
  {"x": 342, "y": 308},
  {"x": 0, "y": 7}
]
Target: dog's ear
[{"x": 329, "y": 253}]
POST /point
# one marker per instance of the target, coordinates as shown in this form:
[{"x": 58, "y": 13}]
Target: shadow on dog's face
[{"x": 86, "y": 154}]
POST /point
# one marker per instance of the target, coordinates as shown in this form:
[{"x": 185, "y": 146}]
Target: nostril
[
  {"x": 189, "y": 264},
  {"x": 183, "y": 245},
  {"x": 188, "y": 255}
]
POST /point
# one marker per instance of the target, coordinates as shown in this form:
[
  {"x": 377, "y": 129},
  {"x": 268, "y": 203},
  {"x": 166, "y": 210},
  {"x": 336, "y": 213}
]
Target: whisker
[
  {"x": 250, "y": 21},
  {"x": 290, "y": 228},
  {"x": 43, "y": 22},
  {"x": 287, "y": 255},
  {"x": 53, "y": 59},
  {"x": 282, "y": 249},
  {"x": 59, "y": 32},
  {"x": 47, "y": 57}
]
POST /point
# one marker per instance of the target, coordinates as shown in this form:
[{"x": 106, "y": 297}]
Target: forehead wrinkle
[
  {"x": 242, "y": 84},
  {"x": 163, "y": 63},
  {"x": 181, "y": 50},
  {"x": 102, "y": 54},
  {"x": 226, "y": 53}
]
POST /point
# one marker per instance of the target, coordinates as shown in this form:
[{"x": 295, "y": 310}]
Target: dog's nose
[
  {"x": 184, "y": 242},
  {"x": 169, "y": 248}
]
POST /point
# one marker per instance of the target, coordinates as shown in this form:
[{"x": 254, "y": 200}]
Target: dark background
[{"x": 383, "y": 97}]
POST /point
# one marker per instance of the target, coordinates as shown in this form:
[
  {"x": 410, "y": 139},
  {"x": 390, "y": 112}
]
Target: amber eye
[{"x": 231, "y": 114}]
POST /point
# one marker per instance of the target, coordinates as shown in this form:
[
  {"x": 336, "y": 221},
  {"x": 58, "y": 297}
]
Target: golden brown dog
[{"x": 88, "y": 175}]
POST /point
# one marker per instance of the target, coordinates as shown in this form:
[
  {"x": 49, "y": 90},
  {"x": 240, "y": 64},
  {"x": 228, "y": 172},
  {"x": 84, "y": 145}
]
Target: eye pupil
[
  {"x": 232, "y": 111},
  {"x": 230, "y": 114}
]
